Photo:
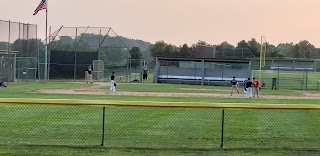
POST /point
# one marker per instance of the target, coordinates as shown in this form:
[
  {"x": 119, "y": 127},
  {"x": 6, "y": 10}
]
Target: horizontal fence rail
[{"x": 111, "y": 103}]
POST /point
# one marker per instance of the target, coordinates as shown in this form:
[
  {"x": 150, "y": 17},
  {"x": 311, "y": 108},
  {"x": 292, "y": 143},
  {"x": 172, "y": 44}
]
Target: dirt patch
[
  {"x": 312, "y": 94},
  {"x": 95, "y": 89},
  {"x": 92, "y": 91}
]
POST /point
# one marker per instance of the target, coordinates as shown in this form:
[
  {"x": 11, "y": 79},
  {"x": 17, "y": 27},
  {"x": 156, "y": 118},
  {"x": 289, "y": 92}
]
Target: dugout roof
[{"x": 221, "y": 60}]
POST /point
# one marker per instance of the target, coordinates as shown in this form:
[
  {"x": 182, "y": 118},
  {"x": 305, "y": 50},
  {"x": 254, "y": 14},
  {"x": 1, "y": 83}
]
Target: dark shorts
[{"x": 145, "y": 76}]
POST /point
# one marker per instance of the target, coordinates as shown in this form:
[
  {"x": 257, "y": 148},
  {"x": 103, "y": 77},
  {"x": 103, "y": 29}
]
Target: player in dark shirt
[
  {"x": 2, "y": 85},
  {"x": 145, "y": 73},
  {"x": 89, "y": 74},
  {"x": 249, "y": 88},
  {"x": 112, "y": 83},
  {"x": 234, "y": 84}
]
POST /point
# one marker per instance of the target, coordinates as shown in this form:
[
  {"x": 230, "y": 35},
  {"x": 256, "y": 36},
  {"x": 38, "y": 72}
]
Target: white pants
[
  {"x": 112, "y": 87},
  {"x": 249, "y": 92}
]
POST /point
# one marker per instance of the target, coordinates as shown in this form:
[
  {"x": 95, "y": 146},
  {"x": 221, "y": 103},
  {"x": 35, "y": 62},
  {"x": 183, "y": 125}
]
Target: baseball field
[{"x": 76, "y": 130}]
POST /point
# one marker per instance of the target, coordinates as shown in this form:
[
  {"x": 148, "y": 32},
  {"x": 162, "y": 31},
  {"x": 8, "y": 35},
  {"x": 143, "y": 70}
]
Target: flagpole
[{"x": 46, "y": 50}]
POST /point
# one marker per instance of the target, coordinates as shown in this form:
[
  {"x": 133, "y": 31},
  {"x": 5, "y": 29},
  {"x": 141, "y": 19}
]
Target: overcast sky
[{"x": 180, "y": 21}]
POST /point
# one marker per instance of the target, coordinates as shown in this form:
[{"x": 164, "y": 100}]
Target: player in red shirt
[{"x": 255, "y": 85}]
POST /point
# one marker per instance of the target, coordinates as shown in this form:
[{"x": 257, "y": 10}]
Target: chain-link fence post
[
  {"x": 141, "y": 64},
  {"x": 103, "y": 124},
  {"x": 278, "y": 82},
  {"x": 222, "y": 129},
  {"x": 306, "y": 79},
  {"x": 203, "y": 72}
]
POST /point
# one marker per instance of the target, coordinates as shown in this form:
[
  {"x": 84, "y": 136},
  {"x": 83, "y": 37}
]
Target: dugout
[
  {"x": 214, "y": 71},
  {"x": 7, "y": 65}
]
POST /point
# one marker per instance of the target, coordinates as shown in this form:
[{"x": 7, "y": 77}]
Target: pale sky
[{"x": 180, "y": 21}]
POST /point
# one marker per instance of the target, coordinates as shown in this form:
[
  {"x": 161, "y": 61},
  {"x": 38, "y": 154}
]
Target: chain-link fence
[
  {"x": 280, "y": 78},
  {"x": 159, "y": 127},
  {"x": 73, "y": 49},
  {"x": 18, "y": 41}
]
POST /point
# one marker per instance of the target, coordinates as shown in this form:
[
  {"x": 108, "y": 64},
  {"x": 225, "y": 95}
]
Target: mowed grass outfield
[{"x": 76, "y": 130}]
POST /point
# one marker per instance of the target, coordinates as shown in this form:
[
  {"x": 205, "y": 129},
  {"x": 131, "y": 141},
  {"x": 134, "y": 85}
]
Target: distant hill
[
  {"x": 94, "y": 39},
  {"x": 143, "y": 45}
]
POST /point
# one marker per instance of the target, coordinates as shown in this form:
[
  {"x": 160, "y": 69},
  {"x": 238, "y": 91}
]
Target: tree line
[
  {"x": 144, "y": 50},
  {"x": 303, "y": 49}
]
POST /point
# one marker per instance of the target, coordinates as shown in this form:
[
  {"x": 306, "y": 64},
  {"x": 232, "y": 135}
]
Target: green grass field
[{"x": 76, "y": 130}]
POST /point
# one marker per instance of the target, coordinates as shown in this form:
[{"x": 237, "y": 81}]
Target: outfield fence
[{"x": 158, "y": 124}]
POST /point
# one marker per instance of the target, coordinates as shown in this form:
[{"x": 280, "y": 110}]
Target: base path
[{"x": 95, "y": 90}]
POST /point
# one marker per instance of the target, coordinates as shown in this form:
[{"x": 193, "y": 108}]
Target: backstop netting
[
  {"x": 83, "y": 45},
  {"x": 7, "y": 68},
  {"x": 18, "y": 40}
]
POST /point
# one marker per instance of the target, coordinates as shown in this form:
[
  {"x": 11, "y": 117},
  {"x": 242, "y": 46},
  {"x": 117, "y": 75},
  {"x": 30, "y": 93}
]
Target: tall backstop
[
  {"x": 19, "y": 51},
  {"x": 72, "y": 49}
]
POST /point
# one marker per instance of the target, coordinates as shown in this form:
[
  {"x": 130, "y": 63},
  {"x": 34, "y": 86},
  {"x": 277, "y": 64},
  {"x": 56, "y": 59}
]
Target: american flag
[{"x": 42, "y": 5}]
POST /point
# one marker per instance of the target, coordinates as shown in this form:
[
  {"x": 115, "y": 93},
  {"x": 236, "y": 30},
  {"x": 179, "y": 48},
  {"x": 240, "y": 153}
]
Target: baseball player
[
  {"x": 245, "y": 88},
  {"x": 234, "y": 84},
  {"x": 89, "y": 74},
  {"x": 112, "y": 83},
  {"x": 249, "y": 88},
  {"x": 255, "y": 85}
]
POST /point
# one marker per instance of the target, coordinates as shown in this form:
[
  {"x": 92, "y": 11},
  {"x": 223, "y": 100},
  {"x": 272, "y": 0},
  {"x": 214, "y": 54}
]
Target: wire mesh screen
[
  {"x": 236, "y": 53},
  {"x": 98, "y": 69},
  {"x": 275, "y": 128},
  {"x": 159, "y": 127},
  {"x": 18, "y": 40},
  {"x": 27, "y": 69},
  {"x": 50, "y": 125},
  {"x": 297, "y": 74},
  {"x": 101, "y": 40},
  {"x": 7, "y": 68}
]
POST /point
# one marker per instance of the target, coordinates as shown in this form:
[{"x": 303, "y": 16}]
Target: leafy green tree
[
  {"x": 295, "y": 51},
  {"x": 158, "y": 49},
  {"x": 135, "y": 53},
  {"x": 225, "y": 46},
  {"x": 285, "y": 48},
  {"x": 243, "y": 44},
  {"x": 184, "y": 51},
  {"x": 170, "y": 51},
  {"x": 200, "y": 42},
  {"x": 306, "y": 49},
  {"x": 254, "y": 47},
  {"x": 27, "y": 48}
]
